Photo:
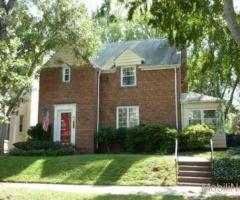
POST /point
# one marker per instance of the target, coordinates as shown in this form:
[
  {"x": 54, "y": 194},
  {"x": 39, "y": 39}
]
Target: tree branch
[{"x": 231, "y": 18}]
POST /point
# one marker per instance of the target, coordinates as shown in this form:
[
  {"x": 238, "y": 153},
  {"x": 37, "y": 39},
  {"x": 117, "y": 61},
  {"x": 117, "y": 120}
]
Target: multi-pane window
[
  {"x": 66, "y": 74},
  {"x": 21, "y": 117},
  {"x": 127, "y": 116},
  {"x": 128, "y": 76},
  {"x": 208, "y": 117},
  {"x": 195, "y": 117}
]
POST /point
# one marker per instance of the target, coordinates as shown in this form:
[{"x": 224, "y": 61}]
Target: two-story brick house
[{"x": 128, "y": 83}]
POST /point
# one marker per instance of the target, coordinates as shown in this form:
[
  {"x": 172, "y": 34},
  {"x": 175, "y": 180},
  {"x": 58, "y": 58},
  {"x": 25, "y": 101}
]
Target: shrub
[
  {"x": 110, "y": 136},
  {"x": 37, "y": 133},
  {"x": 150, "y": 138},
  {"x": 195, "y": 136},
  {"x": 41, "y": 148},
  {"x": 226, "y": 170}
]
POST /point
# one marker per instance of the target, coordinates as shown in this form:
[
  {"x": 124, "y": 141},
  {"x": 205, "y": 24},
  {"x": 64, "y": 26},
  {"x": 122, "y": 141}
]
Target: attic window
[
  {"x": 66, "y": 73},
  {"x": 128, "y": 76}
]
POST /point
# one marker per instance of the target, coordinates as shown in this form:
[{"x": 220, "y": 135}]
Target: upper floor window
[
  {"x": 21, "y": 117},
  {"x": 128, "y": 76},
  {"x": 208, "y": 117},
  {"x": 66, "y": 74},
  {"x": 127, "y": 116}
]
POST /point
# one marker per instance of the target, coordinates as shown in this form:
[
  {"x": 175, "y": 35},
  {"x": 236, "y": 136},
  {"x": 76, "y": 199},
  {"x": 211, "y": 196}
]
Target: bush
[
  {"x": 226, "y": 170},
  {"x": 110, "y": 136},
  {"x": 41, "y": 148},
  {"x": 150, "y": 138},
  {"x": 195, "y": 136},
  {"x": 37, "y": 133}
]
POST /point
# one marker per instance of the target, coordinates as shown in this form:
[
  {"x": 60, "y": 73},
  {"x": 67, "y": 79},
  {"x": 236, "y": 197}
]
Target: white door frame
[{"x": 58, "y": 109}]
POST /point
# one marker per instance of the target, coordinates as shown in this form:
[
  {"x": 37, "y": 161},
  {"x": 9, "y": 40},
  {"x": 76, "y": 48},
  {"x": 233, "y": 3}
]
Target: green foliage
[
  {"x": 108, "y": 136},
  {"x": 37, "y": 133},
  {"x": 150, "y": 138},
  {"x": 37, "y": 145},
  {"x": 41, "y": 148},
  {"x": 36, "y": 30},
  {"x": 195, "y": 136},
  {"x": 226, "y": 170}
]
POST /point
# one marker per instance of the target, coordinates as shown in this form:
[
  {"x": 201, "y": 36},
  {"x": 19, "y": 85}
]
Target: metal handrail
[
  {"x": 212, "y": 152},
  {"x": 176, "y": 157}
]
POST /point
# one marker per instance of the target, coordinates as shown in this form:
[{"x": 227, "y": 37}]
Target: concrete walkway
[{"x": 125, "y": 190}]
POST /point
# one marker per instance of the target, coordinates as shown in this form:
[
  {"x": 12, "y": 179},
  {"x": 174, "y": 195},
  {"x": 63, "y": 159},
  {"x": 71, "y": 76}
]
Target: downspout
[
  {"x": 98, "y": 102},
  {"x": 176, "y": 98}
]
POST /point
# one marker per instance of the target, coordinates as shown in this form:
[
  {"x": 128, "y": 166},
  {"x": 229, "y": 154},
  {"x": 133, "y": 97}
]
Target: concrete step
[
  {"x": 195, "y": 173},
  {"x": 187, "y": 179},
  {"x": 193, "y": 184},
  {"x": 195, "y": 163},
  {"x": 194, "y": 168}
]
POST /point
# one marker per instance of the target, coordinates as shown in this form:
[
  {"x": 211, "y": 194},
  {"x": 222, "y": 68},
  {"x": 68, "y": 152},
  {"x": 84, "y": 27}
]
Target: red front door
[{"x": 66, "y": 127}]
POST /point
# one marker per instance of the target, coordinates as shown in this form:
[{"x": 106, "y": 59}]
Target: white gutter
[{"x": 176, "y": 99}]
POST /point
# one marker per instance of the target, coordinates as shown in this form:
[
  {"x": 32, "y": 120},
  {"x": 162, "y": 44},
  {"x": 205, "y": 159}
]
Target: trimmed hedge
[
  {"x": 38, "y": 134},
  {"x": 41, "y": 148},
  {"x": 195, "y": 137},
  {"x": 150, "y": 138},
  {"x": 226, "y": 170}
]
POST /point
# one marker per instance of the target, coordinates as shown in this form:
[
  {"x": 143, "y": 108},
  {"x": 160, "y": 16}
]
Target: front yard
[
  {"x": 95, "y": 169},
  {"x": 23, "y": 194}
]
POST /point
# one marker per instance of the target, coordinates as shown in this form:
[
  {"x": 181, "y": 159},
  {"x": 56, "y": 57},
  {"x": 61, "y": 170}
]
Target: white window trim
[
  {"x": 202, "y": 114},
  {"x": 63, "y": 74},
  {"x": 135, "y": 74},
  {"x": 121, "y": 107}
]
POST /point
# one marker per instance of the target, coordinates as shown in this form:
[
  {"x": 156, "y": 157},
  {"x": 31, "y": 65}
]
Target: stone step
[
  {"x": 192, "y": 184},
  {"x": 195, "y": 163},
  {"x": 194, "y": 168},
  {"x": 195, "y": 173},
  {"x": 187, "y": 179}
]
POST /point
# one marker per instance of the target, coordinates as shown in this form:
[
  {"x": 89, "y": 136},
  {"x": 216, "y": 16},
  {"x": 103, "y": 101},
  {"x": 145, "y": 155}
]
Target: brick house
[{"x": 128, "y": 83}]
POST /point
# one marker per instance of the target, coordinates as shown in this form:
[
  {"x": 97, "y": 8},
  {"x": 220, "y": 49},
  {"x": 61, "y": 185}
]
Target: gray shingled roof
[
  {"x": 196, "y": 97},
  {"x": 153, "y": 51}
]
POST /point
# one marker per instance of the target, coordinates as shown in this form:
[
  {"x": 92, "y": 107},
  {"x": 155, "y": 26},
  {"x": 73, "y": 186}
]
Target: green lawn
[
  {"x": 90, "y": 169},
  {"x": 23, "y": 194}
]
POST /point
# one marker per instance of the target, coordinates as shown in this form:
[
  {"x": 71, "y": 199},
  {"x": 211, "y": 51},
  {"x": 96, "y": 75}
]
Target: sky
[{"x": 92, "y": 5}]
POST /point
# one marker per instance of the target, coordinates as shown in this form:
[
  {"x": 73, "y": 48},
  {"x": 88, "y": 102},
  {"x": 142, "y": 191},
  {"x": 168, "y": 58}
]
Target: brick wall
[
  {"x": 154, "y": 93},
  {"x": 81, "y": 90}
]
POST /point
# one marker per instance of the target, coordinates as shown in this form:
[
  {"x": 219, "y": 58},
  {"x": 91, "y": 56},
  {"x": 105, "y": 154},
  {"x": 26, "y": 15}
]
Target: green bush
[
  {"x": 195, "y": 136},
  {"x": 226, "y": 170},
  {"x": 43, "y": 152},
  {"x": 150, "y": 138},
  {"x": 37, "y": 133},
  {"x": 41, "y": 148},
  {"x": 109, "y": 136}
]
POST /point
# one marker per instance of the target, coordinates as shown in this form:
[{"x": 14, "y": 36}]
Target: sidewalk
[{"x": 122, "y": 190}]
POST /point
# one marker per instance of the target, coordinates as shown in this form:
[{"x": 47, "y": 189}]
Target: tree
[
  {"x": 199, "y": 25},
  {"x": 111, "y": 18},
  {"x": 6, "y": 9},
  {"x": 37, "y": 29}
]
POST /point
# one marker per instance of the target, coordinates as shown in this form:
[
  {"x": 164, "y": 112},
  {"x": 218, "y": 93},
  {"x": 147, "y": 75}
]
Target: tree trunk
[{"x": 231, "y": 19}]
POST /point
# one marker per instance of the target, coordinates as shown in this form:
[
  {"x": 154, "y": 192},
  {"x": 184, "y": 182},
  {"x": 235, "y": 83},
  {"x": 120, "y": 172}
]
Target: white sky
[{"x": 92, "y": 5}]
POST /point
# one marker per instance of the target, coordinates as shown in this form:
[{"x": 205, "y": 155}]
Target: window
[
  {"x": 208, "y": 117},
  {"x": 128, "y": 76},
  {"x": 66, "y": 74},
  {"x": 195, "y": 117},
  {"x": 21, "y": 117},
  {"x": 127, "y": 116}
]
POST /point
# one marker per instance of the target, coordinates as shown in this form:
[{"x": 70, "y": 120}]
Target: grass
[
  {"x": 90, "y": 169},
  {"x": 23, "y": 194},
  {"x": 232, "y": 152}
]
